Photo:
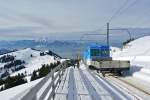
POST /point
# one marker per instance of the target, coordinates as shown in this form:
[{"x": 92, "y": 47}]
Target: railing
[{"x": 50, "y": 82}]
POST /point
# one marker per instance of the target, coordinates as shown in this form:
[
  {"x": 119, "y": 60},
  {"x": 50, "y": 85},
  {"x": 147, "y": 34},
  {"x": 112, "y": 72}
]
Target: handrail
[{"x": 32, "y": 94}]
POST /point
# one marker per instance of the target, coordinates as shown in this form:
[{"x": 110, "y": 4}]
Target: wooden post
[
  {"x": 60, "y": 74},
  {"x": 53, "y": 85}
]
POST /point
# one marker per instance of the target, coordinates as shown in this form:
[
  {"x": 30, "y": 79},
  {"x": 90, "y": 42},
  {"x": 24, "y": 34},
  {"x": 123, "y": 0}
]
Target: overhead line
[
  {"x": 118, "y": 11},
  {"x": 121, "y": 10},
  {"x": 133, "y": 3}
]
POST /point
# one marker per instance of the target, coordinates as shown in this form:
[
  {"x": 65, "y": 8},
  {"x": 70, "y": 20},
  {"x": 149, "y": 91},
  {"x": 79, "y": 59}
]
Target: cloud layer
[{"x": 38, "y": 18}]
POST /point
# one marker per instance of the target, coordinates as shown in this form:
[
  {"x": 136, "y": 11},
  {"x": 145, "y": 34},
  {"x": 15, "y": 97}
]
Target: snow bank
[
  {"x": 138, "y": 47},
  {"x": 12, "y": 92},
  {"x": 138, "y": 52}
]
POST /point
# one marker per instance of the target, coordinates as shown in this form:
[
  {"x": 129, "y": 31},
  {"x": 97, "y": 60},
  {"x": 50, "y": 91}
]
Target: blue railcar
[
  {"x": 98, "y": 57},
  {"x": 97, "y": 52}
]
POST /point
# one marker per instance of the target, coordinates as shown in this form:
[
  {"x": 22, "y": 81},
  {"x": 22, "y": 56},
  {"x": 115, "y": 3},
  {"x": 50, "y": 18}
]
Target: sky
[{"x": 67, "y": 19}]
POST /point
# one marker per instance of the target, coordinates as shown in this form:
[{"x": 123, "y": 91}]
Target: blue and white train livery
[{"x": 98, "y": 57}]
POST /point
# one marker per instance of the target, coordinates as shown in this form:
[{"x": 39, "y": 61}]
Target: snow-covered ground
[
  {"x": 35, "y": 63},
  {"x": 18, "y": 90},
  {"x": 31, "y": 63},
  {"x": 138, "y": 52}
]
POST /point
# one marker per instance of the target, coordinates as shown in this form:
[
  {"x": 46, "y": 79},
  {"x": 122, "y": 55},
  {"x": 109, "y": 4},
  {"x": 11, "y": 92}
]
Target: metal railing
[{"x": 55, "y": 77}]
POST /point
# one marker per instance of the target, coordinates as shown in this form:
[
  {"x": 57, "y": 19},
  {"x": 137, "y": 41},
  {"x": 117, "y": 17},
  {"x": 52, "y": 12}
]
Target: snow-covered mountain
[
  {"x": 31, "y": 58},
  {"x": 32, "y": 61},
  {"x": 135, "y": 51}
]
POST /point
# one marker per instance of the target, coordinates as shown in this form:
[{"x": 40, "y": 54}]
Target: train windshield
[
  {"x": 95, "y": 52},
  {"x": 98, "y": 52}
]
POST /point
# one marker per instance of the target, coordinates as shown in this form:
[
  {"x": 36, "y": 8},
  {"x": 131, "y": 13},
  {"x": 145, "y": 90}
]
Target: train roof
[{"x": 98, "y": 46}]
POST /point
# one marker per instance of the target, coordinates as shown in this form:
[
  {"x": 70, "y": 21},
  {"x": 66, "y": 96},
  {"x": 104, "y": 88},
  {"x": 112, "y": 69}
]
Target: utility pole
[{"x": 108, "y": 34}]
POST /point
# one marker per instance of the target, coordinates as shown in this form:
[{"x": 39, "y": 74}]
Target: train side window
[{"x": 104, "y": 52}]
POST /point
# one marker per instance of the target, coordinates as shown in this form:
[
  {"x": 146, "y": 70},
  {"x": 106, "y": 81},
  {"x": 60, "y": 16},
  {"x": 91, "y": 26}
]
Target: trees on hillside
[
  {"x": 43, "y": 71},
  {"x": 34, "y": 75},
  {"x": 12, "y": 81},
  {"x": 13, "y": 63},
  {"x": 128, "y": 41},
  {"x": 6, "y": 58},
  {"x": 42, "y": 54}
]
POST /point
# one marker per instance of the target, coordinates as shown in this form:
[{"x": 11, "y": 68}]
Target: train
[{"x": 98, "y": 57}]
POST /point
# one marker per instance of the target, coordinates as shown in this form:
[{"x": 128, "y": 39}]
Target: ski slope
[
  {"x": 31, "y": 63},
  {"x": 138, "y": 52}
]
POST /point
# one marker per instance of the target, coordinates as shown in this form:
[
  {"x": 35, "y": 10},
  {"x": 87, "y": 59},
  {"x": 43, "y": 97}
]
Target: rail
[{"x": 38, "y": 93}]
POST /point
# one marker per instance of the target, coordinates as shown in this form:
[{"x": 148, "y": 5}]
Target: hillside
[
  {"x": 32, "y": 61},
  {"x": 138, "y": 47},
  {"x": 23, "y": 69},
  {"x": 138, "y": 52},
  {"x": 18, "y": 90},
  {"x": 25, "y": 65}
]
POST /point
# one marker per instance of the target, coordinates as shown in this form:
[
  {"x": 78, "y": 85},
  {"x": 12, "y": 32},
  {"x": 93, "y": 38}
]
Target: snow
[
  {"x": 28, "y": 78},
  {"x": 24, "y": 54},
  {"x": 2, "y": 65},
  {"x": 35, "y": 63},
  {"x": 31, "y": 63},
  {"x": 138, "y": 47},
  {"x": 81, "y": 84},
  {"x": 13, "y": 92},
  {"x": 82, "y": 66},
  {"x": 138, "y": 53}
]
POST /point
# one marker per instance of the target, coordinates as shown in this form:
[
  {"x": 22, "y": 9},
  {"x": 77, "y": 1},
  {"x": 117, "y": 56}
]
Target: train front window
[{"x": 95, "y": 52}]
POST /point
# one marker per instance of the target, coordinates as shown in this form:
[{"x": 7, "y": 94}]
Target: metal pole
[{"x": 108, "y": 34}]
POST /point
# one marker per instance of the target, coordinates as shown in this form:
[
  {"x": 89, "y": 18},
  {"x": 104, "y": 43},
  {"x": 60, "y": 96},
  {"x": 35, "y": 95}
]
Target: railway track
[
  {"x": 131, "y": 89},
  {"x": 85, "y": 84},
  {"x": 133, "y": 86}
]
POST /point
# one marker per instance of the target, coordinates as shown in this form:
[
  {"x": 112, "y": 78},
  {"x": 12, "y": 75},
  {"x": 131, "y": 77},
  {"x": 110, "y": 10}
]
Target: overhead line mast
[{"x": 108, "y": 34}]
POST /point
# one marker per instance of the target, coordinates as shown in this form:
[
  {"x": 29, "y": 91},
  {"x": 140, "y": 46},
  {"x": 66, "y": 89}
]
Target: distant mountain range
[
  {"x": 5, "y": 51},
  {"x": 61, "y": 47},
  {"x": 70, "y": 48}
]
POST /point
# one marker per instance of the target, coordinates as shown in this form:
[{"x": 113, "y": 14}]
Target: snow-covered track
[
  {"x": 83, "y": 85},
  {"x": 71, "y": 83},
  {"x": 131, "y": 89}
]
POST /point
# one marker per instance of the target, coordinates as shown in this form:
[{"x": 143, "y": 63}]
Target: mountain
[
  {"x": 28, "y": 60},
  {"x": 63, "y": 48},
  {"x": 69, "y": 48},
  {"x": 4, "y": 51}
]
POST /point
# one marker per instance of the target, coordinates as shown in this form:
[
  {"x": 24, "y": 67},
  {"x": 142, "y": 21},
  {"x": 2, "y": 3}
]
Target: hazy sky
[{"x": 27, "y": 19}]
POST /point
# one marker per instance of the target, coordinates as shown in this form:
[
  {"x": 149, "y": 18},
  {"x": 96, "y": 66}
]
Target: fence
[{"x": 48, "y": 83}]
